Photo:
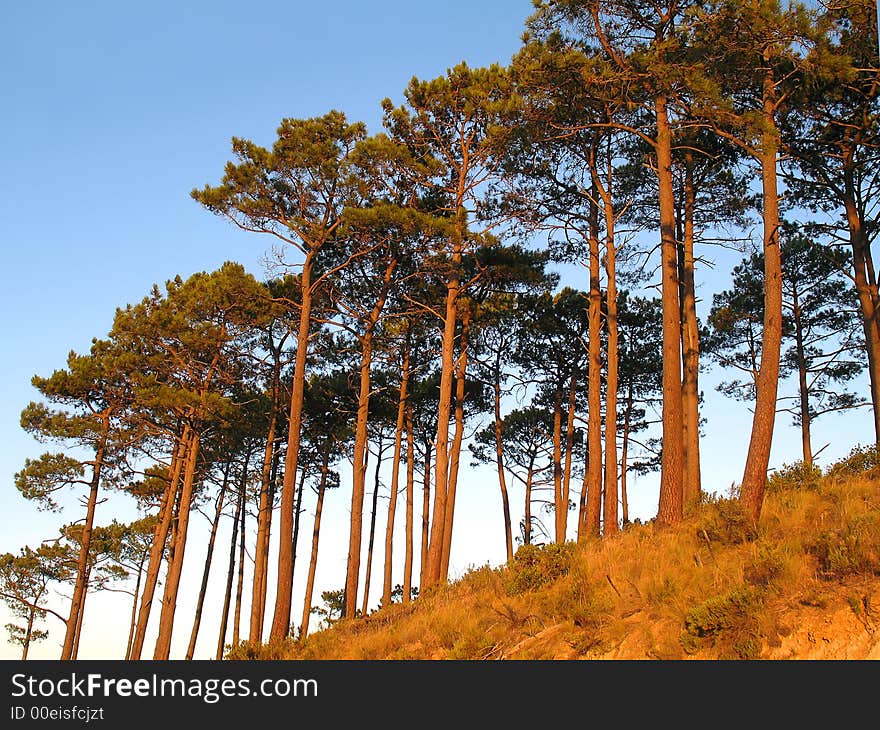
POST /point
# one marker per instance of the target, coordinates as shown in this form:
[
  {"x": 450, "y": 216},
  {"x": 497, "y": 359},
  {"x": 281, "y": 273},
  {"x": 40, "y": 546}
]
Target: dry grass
[{"x": 713, "y": 587}]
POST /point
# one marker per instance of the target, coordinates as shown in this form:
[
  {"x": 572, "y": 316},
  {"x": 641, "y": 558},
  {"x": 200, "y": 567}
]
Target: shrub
[
  {"x": 851, "y": 550},
  {"x": 860, "y": 460},
  {"x": 766, "y": 568},
  {"x": 535, "y": 566},
  {"x": 726, "y": 522},
  {"x": 729, "y": 621},
  {"x": 794, "y": 476}
]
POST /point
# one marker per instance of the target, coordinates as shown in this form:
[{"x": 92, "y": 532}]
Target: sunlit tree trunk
[
  {"x": 670, "y": 508},
  {"x": 395, "y": 478},
  {"x": 80, "y": 586},
  {"x": 313, "y": 560},
  {"x": 410, "y": 506},
  {"x": 209, "y": 556},
  {"x": 230, "y": 575},
  {"x": 690, "y": 393},
  {"x": 758, "y": 458}
]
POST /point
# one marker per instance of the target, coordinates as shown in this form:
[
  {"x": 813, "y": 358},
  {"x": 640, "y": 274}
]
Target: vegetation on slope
[{"x": 802, "y": 583}]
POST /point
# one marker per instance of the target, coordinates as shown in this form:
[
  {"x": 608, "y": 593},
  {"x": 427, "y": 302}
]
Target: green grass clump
[
  {"x": 853, "y": 549},
  {"x": 726, "y": 522},
  {"x": 729, "y": 621},
  {"x": 533, "y": 567},
  {"x": 861, "y": 460},
  {"x": 794, "y": 476}
]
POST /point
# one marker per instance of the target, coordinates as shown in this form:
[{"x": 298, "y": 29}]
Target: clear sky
[{"x": 112, "y": 112}]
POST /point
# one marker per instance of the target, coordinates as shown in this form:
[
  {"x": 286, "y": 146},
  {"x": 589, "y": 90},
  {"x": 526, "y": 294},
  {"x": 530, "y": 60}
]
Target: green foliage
[
  {"x": 767, "y": 567},
  {"x": 725, "y": 521},
  {"x": 41, "y": 478},
  {"x": 729, "y": 621},
  {"x": 861, "y": 460},
  {"x": 798, "y": 475},
  {"x": 853, "y": 549},
  {"x": 534, "y": 566}
]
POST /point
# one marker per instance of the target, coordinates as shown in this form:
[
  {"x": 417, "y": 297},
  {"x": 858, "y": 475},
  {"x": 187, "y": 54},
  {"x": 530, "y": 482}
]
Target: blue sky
[{"x": 113, "y": 112}]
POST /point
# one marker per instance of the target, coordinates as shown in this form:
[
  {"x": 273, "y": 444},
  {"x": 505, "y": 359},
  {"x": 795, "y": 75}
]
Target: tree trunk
[
  {"x": 395, "y": 478},
  {"x": 134, "y": 602},
  {"x": 624, "y": 455},
  {"x": 867, "y": 301},
  {"x": 460, "y": 379},
  {"x": 371, "y": 541},
  {"x": 527, "y": 515},
  {"x": 230, "y": 574},
  {"x": 690, "y": 356},
  {"x": 499, "y": 459},
  {"x": 80, "y": 587},
  {"x": 609, "y": 515},
  {"x": 441, "y": 442},
  {"x": 359, "y": 473},
  {"x": 81, "y": 615},
  {"x": 26, "y": 641},
  {"x": 175, "y": 567},
  {"x": 590, "y": 523},
  {"x": 670, "y": 508},
  {"x": 569, "y": 448},
  {"x": 426, "y": 506},
  {"x": 209, "y": 556},
  {"x": 281, "y": 616},
  {"x": 755, "y": 473},
  {"x": 559, "y": 509},
  {"x": 242, "y": 535},
  {"x": 803, "y": 388},
  {"x": 313, "y": 560},
  {"x": 264, "y": 515},
  {"x": 410, "y": 506}
]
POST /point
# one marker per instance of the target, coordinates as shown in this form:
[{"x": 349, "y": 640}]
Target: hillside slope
[{"x": 803, "y": 584}]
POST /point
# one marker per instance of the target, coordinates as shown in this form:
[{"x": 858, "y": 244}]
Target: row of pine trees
[{"x": 415, "y": 324}]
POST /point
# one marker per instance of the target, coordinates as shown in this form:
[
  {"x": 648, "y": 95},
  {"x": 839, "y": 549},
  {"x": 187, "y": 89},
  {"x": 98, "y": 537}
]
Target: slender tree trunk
[
  {"x": 359, "y": 462},
  {"x": 281, "y": 616},
  {"x": 447, "y": 373},
  {"x": 803, "y": 388},
  {"x": 134, "y": 603},
  {"x": 867, "y": 302},
  {"x": 175, "y": 566},
  {"x": 371, "y": 541},
  {"x": 460, "y": 379},
  {"x": 410, "y": 506},
  {"x": 670, "y": 508},
  {"x": 160, "y": 537},
  {"x": 499, "y": 459},
  {"x": 264, "y": 515},
  {"x": 527, "y": 515},
  {"x": 755, "y": 473},
  {"x": 242, "y": 535},
  {"x": 80, "y": 587},
  {"x": 313, "y": 560},
  {"x": 426, "y": 506},
  {"x": 209, "y": 556},
  {"x": 81, "y": 615},
  {"x": 230, "y": 574},
  {"x": 590, "y": 524},
  {"x": 609, "y": 516},
  {"x": 559, "y": 509},
  {"x": 395, "y": 478},
  {"x": 624, "y": 455},
  {"x": 299, "y": 498},
  {"x": 569, "y": 448},
  {"x": 26, "y": 642},
  {"x": 273, "y": 483},
  {"x": 690, "y": 356}
]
